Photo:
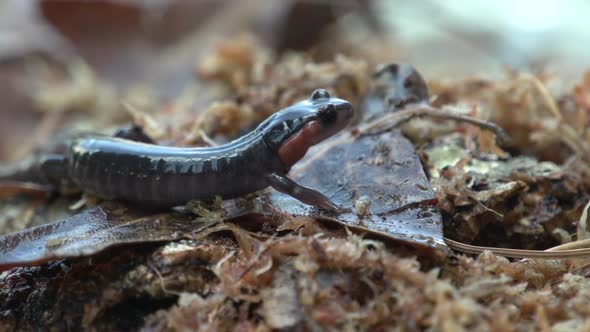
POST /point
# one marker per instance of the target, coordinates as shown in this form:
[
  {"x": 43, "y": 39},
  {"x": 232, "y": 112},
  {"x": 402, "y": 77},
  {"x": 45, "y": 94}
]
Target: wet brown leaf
[
  {"x": 380, "y": 175},
  {"x": 89, "y": 232}
]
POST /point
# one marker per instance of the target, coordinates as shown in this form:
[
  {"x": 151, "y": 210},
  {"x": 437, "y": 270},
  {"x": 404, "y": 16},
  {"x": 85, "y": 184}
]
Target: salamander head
[{"x": 292, "y": 131}]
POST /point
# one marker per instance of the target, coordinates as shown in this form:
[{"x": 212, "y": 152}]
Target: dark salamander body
[{"x": 117, "y": 168}]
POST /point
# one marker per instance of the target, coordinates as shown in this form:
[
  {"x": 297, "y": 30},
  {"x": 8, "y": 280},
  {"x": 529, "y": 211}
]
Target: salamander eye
[
  {"x": 327, "y": 113},
  {"x": 319, "y": 94}
]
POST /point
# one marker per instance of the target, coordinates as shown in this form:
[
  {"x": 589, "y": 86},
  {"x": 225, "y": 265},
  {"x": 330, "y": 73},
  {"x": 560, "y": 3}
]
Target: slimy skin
[{"x": 137, "y": 171}]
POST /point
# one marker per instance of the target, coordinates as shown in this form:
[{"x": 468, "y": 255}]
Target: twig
[{"x": 396, "y": 119}]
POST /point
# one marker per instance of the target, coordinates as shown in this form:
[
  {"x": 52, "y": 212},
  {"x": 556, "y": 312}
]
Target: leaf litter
[{"x": 266, "y": 262}]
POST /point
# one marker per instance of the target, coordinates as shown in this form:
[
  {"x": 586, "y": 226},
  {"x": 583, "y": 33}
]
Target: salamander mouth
[
  {"x": 312, "y": 133},
  {"x": 296, "y": 146}
]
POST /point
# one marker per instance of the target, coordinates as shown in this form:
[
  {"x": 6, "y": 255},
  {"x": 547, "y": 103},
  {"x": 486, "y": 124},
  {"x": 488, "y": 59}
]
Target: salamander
[{"x": 129, "y": 167}]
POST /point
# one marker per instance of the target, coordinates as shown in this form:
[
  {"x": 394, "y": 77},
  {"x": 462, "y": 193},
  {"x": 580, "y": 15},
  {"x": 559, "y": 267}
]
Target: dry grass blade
[
  {"x": 580, "y": 244},
  {"x": 569, "y": 135},
  {"x": 545, "y": 95},
  {"x": 572, "y": 139},
  {"x": 583, "y": 242},
  {"x": 582, "y": 228},
  {"x": 580, "y": 265},
  {"x": 520, "y": 253}
]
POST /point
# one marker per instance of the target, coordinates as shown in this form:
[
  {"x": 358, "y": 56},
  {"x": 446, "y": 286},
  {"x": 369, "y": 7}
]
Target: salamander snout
[
  {"x": 332, "y": 111},
  {"x": 335, "y": 115}
]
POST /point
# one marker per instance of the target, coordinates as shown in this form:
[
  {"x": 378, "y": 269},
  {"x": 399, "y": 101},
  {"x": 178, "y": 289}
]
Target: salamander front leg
[{"x": 303, "y": 194}]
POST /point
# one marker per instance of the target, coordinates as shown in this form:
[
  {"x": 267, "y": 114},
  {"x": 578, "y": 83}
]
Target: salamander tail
[{"x": 42, "y": 169}]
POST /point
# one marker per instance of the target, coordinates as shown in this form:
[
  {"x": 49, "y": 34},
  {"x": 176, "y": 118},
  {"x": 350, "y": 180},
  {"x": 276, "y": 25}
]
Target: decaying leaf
[
  {"x": 383, "y": 167},
  {"x": 266, "y": 261},
  {"x": 399, "y": 85},
  {"x": 89, "y": 232}
]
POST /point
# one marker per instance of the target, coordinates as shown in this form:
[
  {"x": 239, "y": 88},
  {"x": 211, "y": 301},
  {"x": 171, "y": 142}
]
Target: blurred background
[{"x": 149, "y": 49}]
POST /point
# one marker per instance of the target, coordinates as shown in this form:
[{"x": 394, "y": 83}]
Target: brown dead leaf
[
  {"x": 89, "y": 232},
  {"x": 384, "y": 168}
]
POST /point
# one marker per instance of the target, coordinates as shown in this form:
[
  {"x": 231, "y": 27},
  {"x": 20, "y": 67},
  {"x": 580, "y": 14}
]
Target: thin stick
[{"x": 396, "y": 119}]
